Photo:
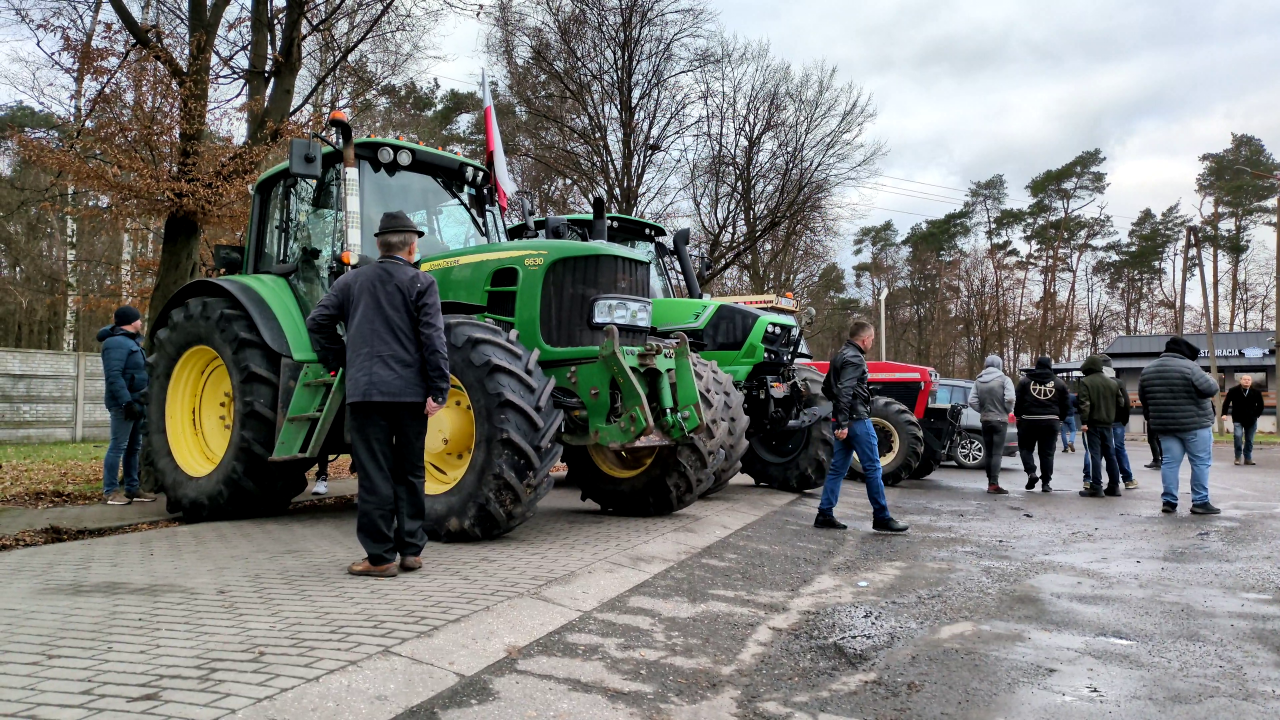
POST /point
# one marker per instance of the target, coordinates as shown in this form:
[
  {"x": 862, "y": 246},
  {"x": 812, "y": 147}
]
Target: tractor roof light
[
  {"x": 386, "y": 155},
  {"x": 348, "y": 258},
  {"x": 404, "y": 157},
  {"x": 338, "y": 118}
]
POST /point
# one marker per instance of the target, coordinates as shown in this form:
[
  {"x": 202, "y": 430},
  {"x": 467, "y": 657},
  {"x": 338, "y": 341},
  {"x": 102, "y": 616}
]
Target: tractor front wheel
[
  {"x": 489, "y": 451},
  {"x": 901, "y": 441},
  {"x": 795, "y": 460},
  {"x": 727, "y": 416},
  {"x": 212, "y": 415}
]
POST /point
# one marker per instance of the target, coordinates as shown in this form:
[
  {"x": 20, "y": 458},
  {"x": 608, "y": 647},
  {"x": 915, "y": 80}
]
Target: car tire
[{"x": 968, "y": 452}]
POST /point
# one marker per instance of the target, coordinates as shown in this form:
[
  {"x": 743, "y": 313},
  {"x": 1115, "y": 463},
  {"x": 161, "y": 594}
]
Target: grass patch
[
  {"x": 42, "y": 475},
  {"x": 1268, "y": 440}
]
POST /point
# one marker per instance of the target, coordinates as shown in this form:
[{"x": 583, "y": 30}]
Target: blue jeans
[
  {"x": 1122, "y": 455},
  {"x": 862, "y": 440},
  {"x": 1244, "y": 439},
  {"x": 126, "y": 442},
  {"x": 1198, "y": 447},
  {"x": 1069, "y": 431}
]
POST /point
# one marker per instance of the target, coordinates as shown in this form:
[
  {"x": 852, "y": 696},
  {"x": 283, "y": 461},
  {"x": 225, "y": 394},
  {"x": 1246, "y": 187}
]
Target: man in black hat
[
  {"x": 397, "y": 376},
  {"x": 124, "y": 370}
]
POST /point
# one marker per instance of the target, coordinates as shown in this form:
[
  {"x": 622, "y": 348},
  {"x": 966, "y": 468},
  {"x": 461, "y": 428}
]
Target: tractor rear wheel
[
  {"x": 795, "y": 460},
  {"x": 489, "y": 451},
  {"x": 727, "y": 416},
  {"x": 212, "y": 415},
  {"x": 924, "y": 469},
  {"x": 901, "y": 441}
]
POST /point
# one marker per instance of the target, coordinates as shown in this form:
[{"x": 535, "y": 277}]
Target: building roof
[{"x": 1153, "y": 345}]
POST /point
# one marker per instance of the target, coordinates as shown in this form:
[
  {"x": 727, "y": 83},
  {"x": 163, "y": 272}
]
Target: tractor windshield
[
  {"x": 441, "y": 208},
  {"x": 659, "y": 283}
]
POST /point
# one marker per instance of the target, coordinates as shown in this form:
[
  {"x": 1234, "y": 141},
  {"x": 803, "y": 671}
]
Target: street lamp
[{"x": 1276, "y": 179}]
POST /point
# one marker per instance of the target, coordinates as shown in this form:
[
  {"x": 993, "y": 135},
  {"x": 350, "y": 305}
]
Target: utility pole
[
  {"x": 1275, "y": 325},
  {"x": 1208, "y": 333},
  {"x": 883, "y": 295}
]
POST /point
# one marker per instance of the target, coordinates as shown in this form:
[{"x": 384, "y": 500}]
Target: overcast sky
[{"x": 965, "y": 90}]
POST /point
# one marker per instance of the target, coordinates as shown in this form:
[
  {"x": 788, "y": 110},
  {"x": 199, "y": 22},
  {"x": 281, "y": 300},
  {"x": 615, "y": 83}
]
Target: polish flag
[{"x": 494, "y": 157}]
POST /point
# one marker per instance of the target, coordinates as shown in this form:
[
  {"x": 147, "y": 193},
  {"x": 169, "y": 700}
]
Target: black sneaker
[
  {"x": 1153, "y": 465},
  {"x": 1044, "y": 486},
  {"x": 1032, "y": 480},
  {"x": 889, "y": 525},
  {"x": 828, "y": 521},
  {"x": 1168, "y": 507},
  {"x": 1204, "y": 508},
  {"x": 1112, "y": 491},
  {"x": 1091, "y": 492}
]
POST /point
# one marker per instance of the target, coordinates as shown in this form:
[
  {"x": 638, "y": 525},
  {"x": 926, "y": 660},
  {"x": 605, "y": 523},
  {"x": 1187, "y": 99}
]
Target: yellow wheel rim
[
  {"x": 451, "y": 439},
  {"x": 622, "y": 463},
  {"x": 199, "y": 411}
]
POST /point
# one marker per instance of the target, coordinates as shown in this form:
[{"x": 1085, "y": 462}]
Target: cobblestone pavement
[{"x": 198, "y": 621}]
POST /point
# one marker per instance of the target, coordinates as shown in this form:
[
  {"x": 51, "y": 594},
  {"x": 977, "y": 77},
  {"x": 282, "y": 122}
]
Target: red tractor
[{"x": 915, "y": 437}]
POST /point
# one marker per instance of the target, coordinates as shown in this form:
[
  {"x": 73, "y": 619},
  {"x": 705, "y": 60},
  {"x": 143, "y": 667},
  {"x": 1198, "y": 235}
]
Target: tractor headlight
[
  {"x": 404, "y": 157},
  {"x": 385, "y": 155},
  {"x": 628, "y": 311},
  {"x": 771, "y": 329}
]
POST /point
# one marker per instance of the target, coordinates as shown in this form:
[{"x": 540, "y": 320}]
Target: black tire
[
  {"x": 727, "y": 417},
  {"x": 675, "y": 475},
  {"x": 516, "y": 427},
  {"x": 924, "y": 469},
  {"x": 969, "y": 453},
  {"x": 796, "y": 460},
  {"x": 901, "y": 441},
  {"x": 243, "y": 483}
]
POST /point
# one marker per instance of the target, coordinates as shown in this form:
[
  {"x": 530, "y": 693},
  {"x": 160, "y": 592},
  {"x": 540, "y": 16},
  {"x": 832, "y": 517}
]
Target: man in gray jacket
[
  {"x": 1177, "y": 397},
  {"x": 993, "y": 397}
]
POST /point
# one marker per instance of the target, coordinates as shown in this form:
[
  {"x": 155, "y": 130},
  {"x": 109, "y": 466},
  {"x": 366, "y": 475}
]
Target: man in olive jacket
[
  {"x": 397, "y": 376},
  {"x": 1177, "y": 396},
  {"x": 846, "y": 387},
  {"x": 1098, "y": 396}
]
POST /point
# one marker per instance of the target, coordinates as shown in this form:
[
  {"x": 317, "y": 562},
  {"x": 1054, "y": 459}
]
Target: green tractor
[
  {"x": 788, "y": 442},
  {"x": 549, "y": 346}
]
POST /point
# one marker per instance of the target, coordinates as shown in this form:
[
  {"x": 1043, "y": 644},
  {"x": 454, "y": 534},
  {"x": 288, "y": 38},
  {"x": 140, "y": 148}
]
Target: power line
[
  {"x": 948, "y": 187},
  {"x": 904, "y": 212}
]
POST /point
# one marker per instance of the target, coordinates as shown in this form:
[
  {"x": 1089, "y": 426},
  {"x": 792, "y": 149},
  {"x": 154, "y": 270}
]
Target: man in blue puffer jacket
[{"x": 124, "y": 366}]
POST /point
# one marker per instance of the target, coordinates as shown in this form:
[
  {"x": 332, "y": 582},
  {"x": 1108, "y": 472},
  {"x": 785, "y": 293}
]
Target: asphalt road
[{"x": 1030, "y": 605}]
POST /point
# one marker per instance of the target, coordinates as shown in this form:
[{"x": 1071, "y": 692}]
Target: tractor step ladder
[{"x": 311, "y": 413}]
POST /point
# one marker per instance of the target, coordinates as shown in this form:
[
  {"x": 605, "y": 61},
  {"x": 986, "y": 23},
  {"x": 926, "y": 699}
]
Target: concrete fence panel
[{"x": 49, "y": 396}]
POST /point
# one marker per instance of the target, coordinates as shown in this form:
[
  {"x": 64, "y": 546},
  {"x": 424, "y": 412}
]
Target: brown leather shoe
[
  {"x": 364, "y": 568},
  {"x": 409, "y": 563}
]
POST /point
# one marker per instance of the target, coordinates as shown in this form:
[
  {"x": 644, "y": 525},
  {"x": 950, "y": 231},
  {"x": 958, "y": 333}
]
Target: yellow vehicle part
[
  {"x": 451, "y": 441},
  {"x": 199, "y": 411}
]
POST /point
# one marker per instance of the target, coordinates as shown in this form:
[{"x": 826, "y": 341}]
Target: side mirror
[
  {"x": 704, "y": 268},
  {"x": 556, "y": 227},
  {"x": 304, "y": 159},
  {"x": 228, "y": 259},
  {"x": 526, "y": 212},
  {"x": 807, "y": 316}
]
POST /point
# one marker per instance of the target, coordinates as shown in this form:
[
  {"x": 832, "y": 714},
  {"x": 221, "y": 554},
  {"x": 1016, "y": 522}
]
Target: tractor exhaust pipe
[
  {"x": 681, "y": 242},
  {"x": 350, "y": 184},
  {"x": 599, "y": 226}
]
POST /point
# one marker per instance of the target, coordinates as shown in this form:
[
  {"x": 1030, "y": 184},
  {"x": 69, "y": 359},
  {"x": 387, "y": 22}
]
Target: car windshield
[{"x": 441, "y": 208}]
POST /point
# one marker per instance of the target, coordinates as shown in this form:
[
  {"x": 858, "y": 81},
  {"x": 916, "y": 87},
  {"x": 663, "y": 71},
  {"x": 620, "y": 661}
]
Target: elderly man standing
[
  {"x": 1178, "y": 397},
  {"x": 1244, "y": 405},
  {"x": 397, "y": 376}
]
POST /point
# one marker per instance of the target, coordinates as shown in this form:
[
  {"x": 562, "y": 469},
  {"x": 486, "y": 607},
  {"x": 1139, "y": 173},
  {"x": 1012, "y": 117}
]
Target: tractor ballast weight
[{"x": 548, "y": 343}]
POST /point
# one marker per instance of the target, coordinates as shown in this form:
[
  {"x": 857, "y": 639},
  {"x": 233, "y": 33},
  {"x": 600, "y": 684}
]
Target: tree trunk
[{"x": 179, "y": 260}]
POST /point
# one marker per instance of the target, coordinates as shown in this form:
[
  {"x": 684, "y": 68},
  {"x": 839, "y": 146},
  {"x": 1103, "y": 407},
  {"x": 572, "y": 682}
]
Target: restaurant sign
[{"x": 1249, "y": 352}]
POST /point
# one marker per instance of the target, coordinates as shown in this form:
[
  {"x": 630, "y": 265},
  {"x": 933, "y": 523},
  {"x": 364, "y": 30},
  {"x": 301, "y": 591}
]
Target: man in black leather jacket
[{"x": 846, "y": 387}]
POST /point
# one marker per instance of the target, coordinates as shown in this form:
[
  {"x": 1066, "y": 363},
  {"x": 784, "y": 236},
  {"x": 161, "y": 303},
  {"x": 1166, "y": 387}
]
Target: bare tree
[
  {"x": 604, "y": 86},
  {"x": 774, "y": 149}
]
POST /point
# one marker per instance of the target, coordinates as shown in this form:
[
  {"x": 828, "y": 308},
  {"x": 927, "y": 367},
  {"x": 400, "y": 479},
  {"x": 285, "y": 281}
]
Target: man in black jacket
[
  {"x": 397, "y": 376},
  {"x": 1244, "y": 405},
  {"x": 1178, "y": 394},
  {"x": 1041, "y": 403},
  {"x": 846, "y": 386}
]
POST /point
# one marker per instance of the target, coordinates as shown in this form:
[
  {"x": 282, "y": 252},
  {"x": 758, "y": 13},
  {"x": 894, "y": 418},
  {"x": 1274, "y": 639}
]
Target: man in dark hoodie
[
  {"x": 992, "y": 397},
  {"x": 1178, "y": 397},
  {"x": 1097, "y": 397},
  {"x": 124, "y": 367},
  {"x": 1041, "y": 403},
  {"x": 1244, "y": 405}
]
